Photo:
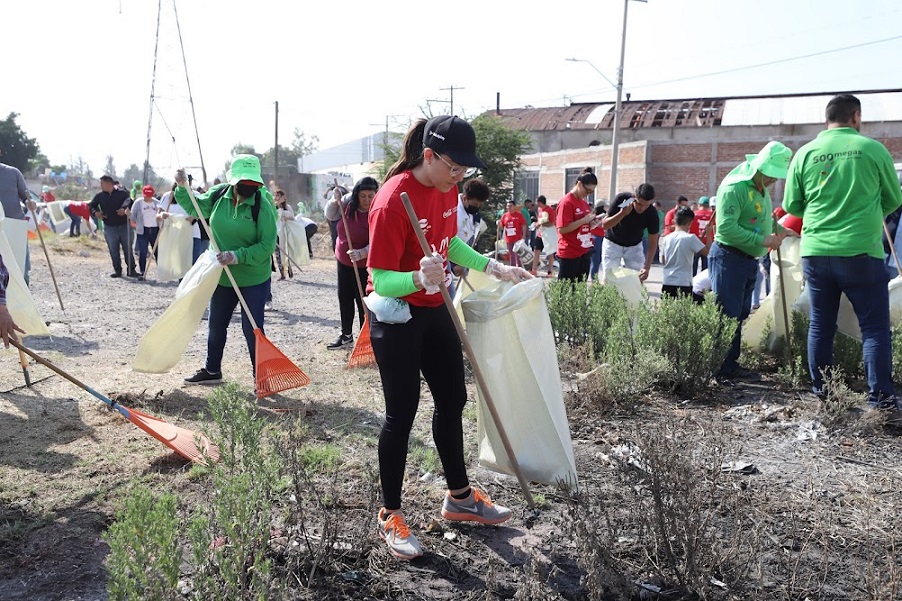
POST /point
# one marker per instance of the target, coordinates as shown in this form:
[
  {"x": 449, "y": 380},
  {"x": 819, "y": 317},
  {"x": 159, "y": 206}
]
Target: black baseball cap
[{"x": 454, "y": 137}]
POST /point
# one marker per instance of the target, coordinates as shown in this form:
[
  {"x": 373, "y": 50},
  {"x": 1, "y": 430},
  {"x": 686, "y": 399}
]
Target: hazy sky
[{"x": 79, "y": 73}]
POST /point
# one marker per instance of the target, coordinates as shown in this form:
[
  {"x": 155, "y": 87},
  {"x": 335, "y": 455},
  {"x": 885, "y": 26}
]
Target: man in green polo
[
  {"x": 744, "y": 232},
  {"x": 842, "y": 184}
]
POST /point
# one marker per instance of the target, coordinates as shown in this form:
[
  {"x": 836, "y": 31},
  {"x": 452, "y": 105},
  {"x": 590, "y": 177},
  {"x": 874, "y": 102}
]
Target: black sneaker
[
  {"x": 117, "y": 274},
  {"x": 204, "y": 377},
  {"x": 340, "y": 342},
  {"x": 132, "y": 274}
]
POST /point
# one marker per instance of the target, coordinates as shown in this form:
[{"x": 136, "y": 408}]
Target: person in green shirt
[
  {"x": 242, "y": 218},
  {"x": 744, "y": 231},
  {"x": 842, "y": 184}
]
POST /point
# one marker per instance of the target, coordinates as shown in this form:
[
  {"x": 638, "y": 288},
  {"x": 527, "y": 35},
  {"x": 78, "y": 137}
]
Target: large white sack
[
  {"x": 175, "y": 248},
  {"x": 754, "y": 327},
  {"x": 549, "y": 240},
  {"x": 511, "y": 336},
  {"x": 293, "y": 241},
  {"x": 627, "y": 283},
  {"x": 162, "y": 345},
  {"x": 789, "y": 267},
  {"x": 19, "y": 301},
  {"x": 475, "y": 280},
  {"x": 846, "y": 320}
]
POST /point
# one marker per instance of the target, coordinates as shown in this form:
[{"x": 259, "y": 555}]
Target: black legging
[
  {"x": 348, "y": 295},
  {"x": 428, "y": 343}
]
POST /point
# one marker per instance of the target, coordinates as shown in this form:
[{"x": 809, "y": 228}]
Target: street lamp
[
  {"x": 615, "y": 136},
  {"x": 597, "y": 70}
]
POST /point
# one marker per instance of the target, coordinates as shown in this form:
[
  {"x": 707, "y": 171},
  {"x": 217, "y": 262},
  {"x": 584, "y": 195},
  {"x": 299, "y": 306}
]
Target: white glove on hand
[
  {"x": 432, "y": 273},
  {"x": 359, "y": 254},
  {"x": 506, "y": 273},
  {"x": 227, "y": 258}
]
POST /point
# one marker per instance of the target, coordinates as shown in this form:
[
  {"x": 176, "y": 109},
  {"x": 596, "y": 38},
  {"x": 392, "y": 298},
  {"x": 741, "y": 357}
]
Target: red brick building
[{"x": 679, "y": 146}]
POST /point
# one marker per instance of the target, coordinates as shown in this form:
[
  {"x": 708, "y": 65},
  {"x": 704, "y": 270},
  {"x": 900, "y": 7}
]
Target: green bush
[
  {"x": 593, "y": 316},
  {"x": 693, "y": 338},
  {"x": 144, "y": 548}
]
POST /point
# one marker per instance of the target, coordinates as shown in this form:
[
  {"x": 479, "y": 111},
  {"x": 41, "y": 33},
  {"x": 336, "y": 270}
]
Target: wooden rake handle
[
  {"x": 206, "y": 226},
  {"x": 480, "y": 380},
  {"x": 892, "y": 248},
  {"x": 344, "y": 223},
  {"x": 37, "y": 227}
]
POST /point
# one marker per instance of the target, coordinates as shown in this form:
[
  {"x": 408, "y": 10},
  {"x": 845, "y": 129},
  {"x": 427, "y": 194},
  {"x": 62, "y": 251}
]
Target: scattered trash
[
  {"x": 451, "y": 536},
  {"x": 631, "y": 454},
  {"x": 718, "y": 583},
  {"x": 739, "y": 467},
  {"x": 807, "y": 431}
]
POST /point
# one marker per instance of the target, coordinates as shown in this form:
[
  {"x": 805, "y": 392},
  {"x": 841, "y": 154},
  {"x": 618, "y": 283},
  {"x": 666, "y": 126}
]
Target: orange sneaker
[
  {"x": 475, "y": 508},
  {"x": 394, "y": 531}
]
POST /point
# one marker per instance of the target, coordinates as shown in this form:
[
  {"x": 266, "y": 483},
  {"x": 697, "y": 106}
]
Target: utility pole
[
  {"x": 452, "y": 88},
  {"x": 275, "y": 152}
]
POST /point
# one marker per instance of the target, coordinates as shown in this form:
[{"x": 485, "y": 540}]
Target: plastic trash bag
[
  {"x": 175, "y": 248},
  {"x": 293, "y": 241},
  {"x": 627, "y": 283},
  {"x": 163, "y": 344},
  {"x": 19, "y": 301},
  {"x": 470, "y": 283},
  {"x": 387, "y": 309},
  {"x": 510, "y": 332},
  {"x": 789, "y": 265}
]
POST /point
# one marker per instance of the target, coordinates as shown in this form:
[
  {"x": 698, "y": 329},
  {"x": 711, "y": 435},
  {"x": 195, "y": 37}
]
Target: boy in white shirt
[{"x": 677, "y": 252}]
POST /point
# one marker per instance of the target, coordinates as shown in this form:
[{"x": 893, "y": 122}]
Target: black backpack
[{"x": 255, "y": 210}]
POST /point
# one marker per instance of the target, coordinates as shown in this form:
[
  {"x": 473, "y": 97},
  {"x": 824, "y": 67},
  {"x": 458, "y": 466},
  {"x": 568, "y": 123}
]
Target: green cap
[
  {"x": 704, "y": 201},
  {"x": 244, "y": 167},
  {"x": 137, "y": 183}
]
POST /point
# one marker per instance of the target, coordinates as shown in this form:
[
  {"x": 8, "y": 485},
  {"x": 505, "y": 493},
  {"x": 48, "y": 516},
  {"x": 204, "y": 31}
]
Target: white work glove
[
  {"x": 507, "y": 273},
  {"x": 180, "y": 178},
  {"x": 432, "y": 273},
  {"x": 227, "y": 258},
  {"x": 359, "y": 254}
]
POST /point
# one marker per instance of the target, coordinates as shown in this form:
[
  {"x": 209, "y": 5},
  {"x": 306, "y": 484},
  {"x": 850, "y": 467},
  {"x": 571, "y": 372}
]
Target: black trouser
[
  {"x": 310, "y": 229},
  {"x": 428, "y": 343},
  {"x": 348, "y": 295},
  {"x": 675, "y": 291},
  {"x": 333, "y": 232},
  {"x": 574, "y": 269}
]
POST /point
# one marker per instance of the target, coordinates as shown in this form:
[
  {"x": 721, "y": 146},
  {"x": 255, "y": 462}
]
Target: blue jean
[
  {"x": 732, "y": 279},
  {"x": 863, "y": 279},
  {"x": 148, "y": 238},
  {"x": 222, "y": 305},
  {"x": 198, "y": 248},
  {"x": 595, "y": 264},
  {"x": 117, "y": 236},
  {"x": 763, "y": 277}
]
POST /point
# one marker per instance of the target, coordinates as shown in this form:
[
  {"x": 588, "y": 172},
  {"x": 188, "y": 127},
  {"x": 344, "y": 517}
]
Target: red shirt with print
[
  {"x": 393, "y": 242},
  {"x": 513, "y": 224},
  {"x": 79, "y": 208},
  {"x": 701, "y": 221},
  {"x": 579, "y": 241}
]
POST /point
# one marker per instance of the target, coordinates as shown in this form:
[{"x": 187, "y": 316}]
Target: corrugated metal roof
[
  {"x": 808, "y": 109},
  {"x": 879, "y": 105}
]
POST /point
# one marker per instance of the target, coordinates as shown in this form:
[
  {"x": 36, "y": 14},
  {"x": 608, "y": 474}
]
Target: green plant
[
  {"x": 840, "y": 399},
  {"x": 145, "y": 551},
  {"x": 321, "y": 457},
  {"x": 693, "y": 338}
]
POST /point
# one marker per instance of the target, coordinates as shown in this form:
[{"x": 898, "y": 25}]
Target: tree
[
  {"x": 288, "y": 157},
  {"x": 17, "y": 148},
  {"x": 110, "y": 169}
]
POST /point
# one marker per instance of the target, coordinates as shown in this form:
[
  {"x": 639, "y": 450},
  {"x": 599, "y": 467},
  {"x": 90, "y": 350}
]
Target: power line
[{"x": 775, "y": 62}]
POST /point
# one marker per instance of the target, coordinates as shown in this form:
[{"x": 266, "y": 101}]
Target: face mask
[
  {"x": 245, "y": 190},
  {"x": 472, "y": 210}
]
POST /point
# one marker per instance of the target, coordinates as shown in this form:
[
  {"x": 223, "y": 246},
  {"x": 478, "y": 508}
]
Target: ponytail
[
  {"x": 411, "y": 150},
  {"x": 587, "y": 177}
]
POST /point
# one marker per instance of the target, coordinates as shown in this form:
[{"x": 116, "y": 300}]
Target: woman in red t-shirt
[
  {"x": 435, "y": 157},
  {"x": 574, "y": 224},
  {"x": 513, "y": 225}
]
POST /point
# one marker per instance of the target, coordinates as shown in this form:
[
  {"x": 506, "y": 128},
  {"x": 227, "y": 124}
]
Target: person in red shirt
[
  {"x": 546, "y": 235},
  {"x": 597, "y": 232},
  {"x": 412, "y": 333},
  {"x": 699, "y": 226},
  {"x": 513, "y": 225},
  {"x": 47, "y": 195},
  {"x": 78, "y": 210},
  {"x": 574, "y": 224}
]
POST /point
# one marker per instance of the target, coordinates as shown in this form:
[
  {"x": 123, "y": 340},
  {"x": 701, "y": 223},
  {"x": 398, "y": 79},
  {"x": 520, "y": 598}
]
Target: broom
[
  {"x": 275, "y": 372},
  {"x": 480, "y": 380},
  {"x": 182, "y": 441}
]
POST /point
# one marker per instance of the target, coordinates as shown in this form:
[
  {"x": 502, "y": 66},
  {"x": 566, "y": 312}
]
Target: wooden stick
[
  {"x": 892, "y": 248},
  {"x": 37, "y": 226},
  {"x": 480, "y": 380},
  {"x": 23, "y": 360}
]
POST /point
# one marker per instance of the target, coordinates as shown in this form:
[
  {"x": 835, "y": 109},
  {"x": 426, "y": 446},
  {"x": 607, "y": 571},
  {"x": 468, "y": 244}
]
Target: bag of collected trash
[
  {"x": 175, "y": 248},
  {"x": 162, "y": 345},
  {"x": 468, "y": 284},
  {"x": 510, "y": 332},
  {"x": 293, "y": 241},
  {"x": 19, "y": 302},
  {"x": 627, "y": 283},
  {"x": 789, "y": 265},
  {"x": 387, "y": 309}
]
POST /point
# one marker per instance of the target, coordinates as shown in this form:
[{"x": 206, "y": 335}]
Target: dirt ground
[{"x": 66, "y": 461}]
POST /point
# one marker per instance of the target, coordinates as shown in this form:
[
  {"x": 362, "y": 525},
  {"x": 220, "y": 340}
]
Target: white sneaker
[
  {"x": 394, "y": 531},
  {"x": 267, "y": 306}
]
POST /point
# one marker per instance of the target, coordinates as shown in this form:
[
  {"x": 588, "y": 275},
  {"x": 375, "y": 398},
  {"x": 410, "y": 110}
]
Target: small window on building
[{"x": 526, "y": 185}]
